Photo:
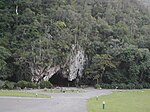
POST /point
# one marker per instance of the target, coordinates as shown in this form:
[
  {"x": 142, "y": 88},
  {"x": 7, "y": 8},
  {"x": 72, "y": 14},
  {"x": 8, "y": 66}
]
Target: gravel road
[{"x": 60, "y": 102}]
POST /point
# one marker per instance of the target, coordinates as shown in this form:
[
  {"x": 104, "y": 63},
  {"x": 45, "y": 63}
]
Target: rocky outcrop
[
  {"x": 72, "y": 69},
  {"x": 77, "y": 62},
  {"x": 43, "y": 73}
]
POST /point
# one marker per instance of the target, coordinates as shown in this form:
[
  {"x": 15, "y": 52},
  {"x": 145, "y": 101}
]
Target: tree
[
  {"x": 4, "y": 55},
  {"x": 134, "y": 62},
  {"x": 100, "y": 64}
]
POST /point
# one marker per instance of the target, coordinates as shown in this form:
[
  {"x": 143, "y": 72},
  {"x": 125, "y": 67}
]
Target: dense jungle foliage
[{"x": 115, "y": 35}]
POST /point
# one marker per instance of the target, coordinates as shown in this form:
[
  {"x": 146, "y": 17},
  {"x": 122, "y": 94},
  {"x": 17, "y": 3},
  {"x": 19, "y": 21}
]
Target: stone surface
[
  {"x": 43, "y": 73},
  {"x": 72, "y": 69},
  {"x": 77, "y": 62}
]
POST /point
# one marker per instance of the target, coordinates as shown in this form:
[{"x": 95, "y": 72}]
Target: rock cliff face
[
  {"x": 43, "y": 73},
  {"x": 77, "y": 62},
  {"x": 72, "y": 69}
]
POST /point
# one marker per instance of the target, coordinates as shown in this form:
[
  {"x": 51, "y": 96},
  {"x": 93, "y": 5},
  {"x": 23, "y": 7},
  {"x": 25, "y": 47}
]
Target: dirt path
[{"x": 60, "y": 102}]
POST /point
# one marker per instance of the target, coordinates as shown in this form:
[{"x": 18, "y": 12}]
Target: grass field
[
  {"x": 125, "y": 101},
  {"x": 13, "y": 93}
]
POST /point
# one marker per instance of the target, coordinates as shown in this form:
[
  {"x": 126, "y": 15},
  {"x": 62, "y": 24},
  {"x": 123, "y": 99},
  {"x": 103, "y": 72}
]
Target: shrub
[
  {"x": 9, "y": 85},
  {"x": 97, "y": 86},
  {"x": 32, "y": 85},
  {"x": 22, "y": 84},
  {"x": 122, "y": 86},
  {"x": 45, "y": 84},
  {"x": 1, "y": 84},
  {"x": 138, "y": 86},
  {"x": 114, "y": 86},
  {"x": 106, "y": 86},
  {"x": 146, "y": 85},
  {"x": 125, "y": 86},
  {"x": 130, "y": 86}
]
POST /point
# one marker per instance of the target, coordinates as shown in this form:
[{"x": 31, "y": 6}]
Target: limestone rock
[{"x": 77, "y": 62}]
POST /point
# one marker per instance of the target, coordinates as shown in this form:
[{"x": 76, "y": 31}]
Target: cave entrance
[{"x": 58, "y": 80}]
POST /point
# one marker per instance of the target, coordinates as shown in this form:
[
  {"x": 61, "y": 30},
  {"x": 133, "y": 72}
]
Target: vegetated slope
[{"x": 113, "y": 34}]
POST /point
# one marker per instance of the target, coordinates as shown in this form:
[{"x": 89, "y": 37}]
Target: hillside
[{"x": 111, "y": 37}]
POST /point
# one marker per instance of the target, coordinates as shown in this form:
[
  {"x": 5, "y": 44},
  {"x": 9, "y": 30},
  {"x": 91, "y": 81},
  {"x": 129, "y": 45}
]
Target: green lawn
[
  {"x": 61, "y": 91},
  {"x": 125, "y": 101},
  {"x": 13, "y": 93}
]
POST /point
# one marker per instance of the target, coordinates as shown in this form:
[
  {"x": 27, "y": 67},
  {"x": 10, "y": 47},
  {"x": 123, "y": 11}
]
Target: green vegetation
[
  {"x": 97, "y": 86},
  {"x": 25, "y": 84},
  {"x": 61, "y": 91},
  {"x": 7, "y": 85},
  {"x": 121, "y": 101},
  {"x": 38, "y": 34},
  {"x": 125, "y": 86},
  {"x": 21, "y": 94},
  {"x": 45, "y": 84}
]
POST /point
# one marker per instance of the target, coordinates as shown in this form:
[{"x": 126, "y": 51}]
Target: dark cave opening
[{"x": 58, "y": 80}]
